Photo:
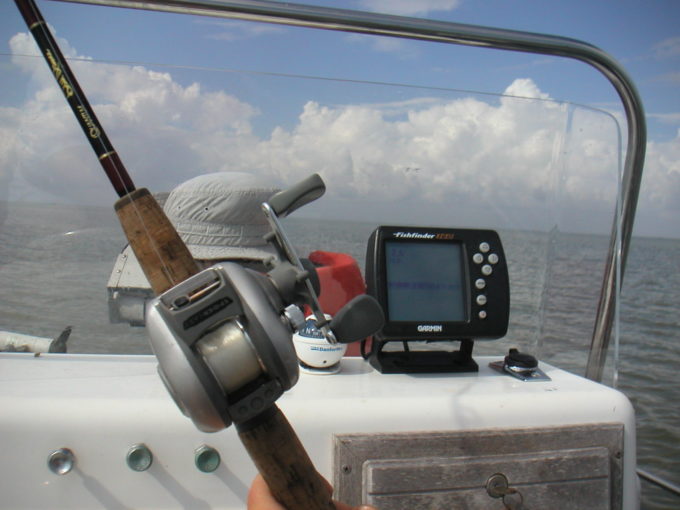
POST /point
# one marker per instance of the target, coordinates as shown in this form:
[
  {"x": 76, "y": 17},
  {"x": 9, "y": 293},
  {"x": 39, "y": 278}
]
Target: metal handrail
[
  {"x": 456, "y": 33},
  {"x": 659, "y": 482}
]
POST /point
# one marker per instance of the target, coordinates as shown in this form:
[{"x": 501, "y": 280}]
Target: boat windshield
[{"x": 411, "y": 144}]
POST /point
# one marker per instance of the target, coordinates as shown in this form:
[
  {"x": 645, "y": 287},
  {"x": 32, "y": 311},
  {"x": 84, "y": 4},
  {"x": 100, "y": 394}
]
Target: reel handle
[
  {"x": 285, "y": 202},
  {"x": 358, "y": 319},
  {"x": 283, "y": 462}
]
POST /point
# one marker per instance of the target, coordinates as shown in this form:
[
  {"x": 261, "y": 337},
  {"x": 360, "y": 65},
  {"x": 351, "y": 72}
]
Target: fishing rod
[
  {"x": 188, "y": 368},
  {"x": 108, "y": 157},
  {"x": 162, "y": 254}
]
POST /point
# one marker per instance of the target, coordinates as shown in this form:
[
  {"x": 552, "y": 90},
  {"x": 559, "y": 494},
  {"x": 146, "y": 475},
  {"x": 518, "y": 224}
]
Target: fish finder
[{"x": 436, "y": 285}]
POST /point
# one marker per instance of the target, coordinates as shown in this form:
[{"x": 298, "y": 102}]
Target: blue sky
[{"x": 643, "y": 36}]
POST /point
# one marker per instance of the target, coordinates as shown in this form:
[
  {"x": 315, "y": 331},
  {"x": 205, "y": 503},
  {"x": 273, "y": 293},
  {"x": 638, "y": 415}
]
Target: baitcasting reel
[{"x": 223, "y": 338}]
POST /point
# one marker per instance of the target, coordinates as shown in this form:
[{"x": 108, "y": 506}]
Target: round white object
[{"x": 316, "y": 355}]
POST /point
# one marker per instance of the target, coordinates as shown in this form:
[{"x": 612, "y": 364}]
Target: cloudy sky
[{"x": 381, "y": 119}]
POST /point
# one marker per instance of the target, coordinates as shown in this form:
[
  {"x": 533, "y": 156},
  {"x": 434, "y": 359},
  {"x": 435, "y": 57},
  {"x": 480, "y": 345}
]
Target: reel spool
[{"x": 224, "y": 352}]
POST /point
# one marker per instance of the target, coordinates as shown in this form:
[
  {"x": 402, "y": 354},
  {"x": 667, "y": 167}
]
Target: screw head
[
  {"x": 207, "y": 459},
  {"x": 61, "y": 461},
  {"x": 139, "y": 457}
]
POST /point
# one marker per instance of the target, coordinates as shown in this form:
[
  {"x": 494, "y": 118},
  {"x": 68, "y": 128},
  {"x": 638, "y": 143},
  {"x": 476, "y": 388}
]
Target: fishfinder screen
[
  {"x": 436, "y": 283},
  {"x": 425, "y": 281}
]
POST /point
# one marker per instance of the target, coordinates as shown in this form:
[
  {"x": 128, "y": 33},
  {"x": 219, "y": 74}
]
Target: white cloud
[
  {"x": 672, "y": 78},
  {"x": 409, "y": 7},
  {"x": 660, "y": 191},
  {"x": 466, "y": 154},
  {"x": 666, "y": 118},
  {"x": 668, "y": 48},
  {"x": 498, "y": 162},
  {"x": 233, "y": 30},
  {"x": 403, "y": 48},
  {"x": 157, "y": 125},
  {"x": 24, "y": 44}
]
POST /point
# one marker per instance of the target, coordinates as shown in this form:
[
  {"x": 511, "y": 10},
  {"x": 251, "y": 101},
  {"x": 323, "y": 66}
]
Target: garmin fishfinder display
[
  {"x": 425, "y": 281},
  {"x": 438, "y": 283}
]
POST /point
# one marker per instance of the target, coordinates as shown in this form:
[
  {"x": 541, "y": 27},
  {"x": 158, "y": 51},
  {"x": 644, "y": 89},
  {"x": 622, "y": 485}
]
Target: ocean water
[{"x": 55, "y": 262}]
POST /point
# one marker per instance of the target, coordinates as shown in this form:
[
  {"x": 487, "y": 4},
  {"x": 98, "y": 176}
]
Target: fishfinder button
[
  {"x": 481, "y": 300},
  {"x": 478, "y": 258},
  {"x": 493, "y": 258},
  {"x": 487, "y": 270},
  {"x": 480, "y": 283},
  {"x": 484, "y": 247}
]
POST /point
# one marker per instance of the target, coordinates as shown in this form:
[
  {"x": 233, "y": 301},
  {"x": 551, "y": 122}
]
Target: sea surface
[{"x": 56, "y": 260}]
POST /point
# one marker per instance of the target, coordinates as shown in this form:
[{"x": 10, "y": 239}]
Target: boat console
[{"x": 392, "y": 440}]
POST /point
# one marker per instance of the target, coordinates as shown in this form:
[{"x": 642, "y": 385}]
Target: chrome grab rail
[
  {"x": 659, "y": 482},
  {"x": 455, "y": 33}
]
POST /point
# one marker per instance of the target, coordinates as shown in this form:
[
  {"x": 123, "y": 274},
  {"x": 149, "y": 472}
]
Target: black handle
[{"x": 358, "y": 319}]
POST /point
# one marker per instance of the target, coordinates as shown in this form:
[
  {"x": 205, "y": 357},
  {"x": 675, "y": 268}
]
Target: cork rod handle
[{"x": 283, "y": 462}]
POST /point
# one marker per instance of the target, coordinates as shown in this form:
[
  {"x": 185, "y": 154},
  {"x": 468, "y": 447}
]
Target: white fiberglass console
[{"x": 562, "y": 441}]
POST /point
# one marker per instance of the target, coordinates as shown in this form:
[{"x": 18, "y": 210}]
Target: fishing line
[{"x": 355, "y": 81}]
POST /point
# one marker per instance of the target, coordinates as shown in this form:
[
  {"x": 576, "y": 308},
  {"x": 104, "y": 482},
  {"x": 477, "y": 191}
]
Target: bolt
[{"x": 61, "y": 461}]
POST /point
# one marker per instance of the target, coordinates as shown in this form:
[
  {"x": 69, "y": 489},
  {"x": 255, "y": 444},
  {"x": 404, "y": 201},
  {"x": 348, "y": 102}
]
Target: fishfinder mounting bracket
[{"x": 408, "y": 361}]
